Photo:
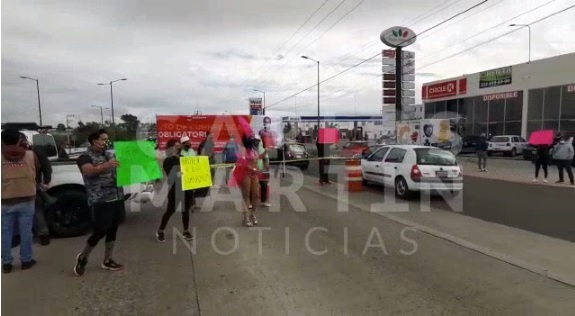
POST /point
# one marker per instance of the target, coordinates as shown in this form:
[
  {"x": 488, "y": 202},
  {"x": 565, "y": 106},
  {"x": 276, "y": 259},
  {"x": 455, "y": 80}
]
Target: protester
[
  {"x": 263, "y": 167},
  {"x": 43, "y": 178},
  {"x": 323, "y": 163},
  {"x": 481, "y": 148},
  {"x": 104, "y": 198},
  {"x": 230, "y": 155},
  {"x": 541, "y": 159},
  {"x": 268, "y": 135},
  {"x": 563, "y": 156},
  {"x": 171, "y": 167},
  {"x": 207, "y": 148},
  {"x": 187, "y": 150},
  {"x": 18, "y": 195},
  {"x": 246, "y": 175}
]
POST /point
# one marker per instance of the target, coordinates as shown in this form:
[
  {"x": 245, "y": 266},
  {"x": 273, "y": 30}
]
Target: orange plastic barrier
[{"x": 353, "y": 179}]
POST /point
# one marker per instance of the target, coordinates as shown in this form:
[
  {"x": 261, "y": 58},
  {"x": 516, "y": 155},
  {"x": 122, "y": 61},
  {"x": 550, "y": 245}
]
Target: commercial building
[{"x": 513, "y": 100}]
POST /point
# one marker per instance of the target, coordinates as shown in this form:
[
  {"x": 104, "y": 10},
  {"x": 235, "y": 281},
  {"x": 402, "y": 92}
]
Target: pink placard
[
  {"x": 328, "y": 136},
  {"x": 544, "y": 137}
]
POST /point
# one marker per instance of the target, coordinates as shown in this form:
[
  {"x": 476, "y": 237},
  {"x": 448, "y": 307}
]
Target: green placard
[{"x": 138, "y": 162}]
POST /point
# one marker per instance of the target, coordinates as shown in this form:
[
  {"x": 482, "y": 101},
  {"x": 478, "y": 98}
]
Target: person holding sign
[
  {"x": 187, "y": 150},
  {"x": 104, "y": 199},
  {"x": 172, "y": 168},
  {"x": 247, "y": 176}
]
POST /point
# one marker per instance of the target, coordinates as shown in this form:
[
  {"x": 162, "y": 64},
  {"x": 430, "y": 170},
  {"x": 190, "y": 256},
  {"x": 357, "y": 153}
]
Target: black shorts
[{"x": 106, "y": 214}]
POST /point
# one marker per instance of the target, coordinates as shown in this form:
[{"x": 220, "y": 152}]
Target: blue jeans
[{"x": 21, "y": 214}]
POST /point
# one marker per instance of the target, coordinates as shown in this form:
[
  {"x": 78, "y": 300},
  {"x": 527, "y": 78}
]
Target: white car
[
  {"x": 413, "y": 168},
  {"x": 510, "y": 145}
]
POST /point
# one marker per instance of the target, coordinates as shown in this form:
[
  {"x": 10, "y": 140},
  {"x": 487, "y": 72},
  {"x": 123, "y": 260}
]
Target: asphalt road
[
  {"x": 369, "y": 266},
  {"x": 540, "y": 209}
]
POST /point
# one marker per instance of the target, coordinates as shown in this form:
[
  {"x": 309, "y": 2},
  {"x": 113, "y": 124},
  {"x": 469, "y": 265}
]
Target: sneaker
[
  {"x": 7, "y": 268},
  {"x": 160, "y": 236},
  {"x": 559, "y": 181},
  {"x": 484, "y": 170},
  {"x": 80, "y": 267},
  {"x": 535, "y": 180},
  {"x": 111, "y": 265},
  {"x": 44, "y": 240},
  {"x": 247, "y": 223},
  {"x": 254, "y": 220},
  {"x": 267, "y": 204},
  {"x": 188, "y": 236},
  {"x": 545, "y": 181},
  {"x": 250, "y": 206},
  {"x": 28, "y": 264}
]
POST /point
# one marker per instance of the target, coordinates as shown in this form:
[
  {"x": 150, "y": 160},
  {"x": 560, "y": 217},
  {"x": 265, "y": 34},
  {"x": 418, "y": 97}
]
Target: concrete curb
[{"x": 566, "y": 279}]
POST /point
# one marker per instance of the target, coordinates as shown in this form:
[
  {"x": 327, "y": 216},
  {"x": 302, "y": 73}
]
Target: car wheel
[
  {"x": 513, "y": 152},
  {"x": 489, "y": 153},
  {"x": 364, "y": 182},
  {"x": 401, "y": 188},
  {"x": 70, "y": 215}
]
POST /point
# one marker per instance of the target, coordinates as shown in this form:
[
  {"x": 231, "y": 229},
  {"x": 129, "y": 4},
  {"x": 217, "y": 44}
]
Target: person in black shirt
[
  {"x": 105, "y": 199},
  {"x": 171, "y": 167},
  {"x": 541, "y": 159},
  {"x": 43, "y": 179}
]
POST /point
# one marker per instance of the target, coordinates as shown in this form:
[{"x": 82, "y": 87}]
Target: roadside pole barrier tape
[{"x": 228, "y": 165}]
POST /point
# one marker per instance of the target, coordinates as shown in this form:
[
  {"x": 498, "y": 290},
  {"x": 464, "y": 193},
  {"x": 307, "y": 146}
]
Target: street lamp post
[
  {"x": 317, "y": 61},
  {"x": 38, "y": 91},
  {"x": 112, "y": 95},
  {"x": 101, "y": 113},
  {"x": 529, "y": 29},
  {"x": 264, "y": 107}
]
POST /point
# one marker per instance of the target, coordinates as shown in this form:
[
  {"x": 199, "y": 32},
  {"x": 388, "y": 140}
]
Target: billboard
[
  {"x": 196, "y": 127},
  {"x": 495, "y": 77},
  {"x": 256, "y": 106}
]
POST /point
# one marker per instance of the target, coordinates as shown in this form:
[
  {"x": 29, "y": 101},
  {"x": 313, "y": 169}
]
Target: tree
[
  {"x": 130, "y": 124},
  {"x": 61, "y": 127}
]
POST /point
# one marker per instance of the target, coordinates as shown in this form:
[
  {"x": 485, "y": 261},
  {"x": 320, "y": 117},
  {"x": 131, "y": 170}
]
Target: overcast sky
[{"x": 180, "y": 56}]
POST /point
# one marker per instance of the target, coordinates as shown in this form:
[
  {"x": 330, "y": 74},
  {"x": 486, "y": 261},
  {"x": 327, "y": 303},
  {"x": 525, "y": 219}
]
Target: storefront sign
[
  {"x": 398, "y": 36},
  {"x": 255, "y": 106},
  {"x": 571, "y": 88},
  {"x": 495, "y": 77},
  {"x": 500, "y": 96},
  {"x": 440, "y": 90}
]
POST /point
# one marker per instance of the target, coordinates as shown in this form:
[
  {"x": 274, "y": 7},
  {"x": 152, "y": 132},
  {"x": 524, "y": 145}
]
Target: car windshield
[
  {"x": 297, "y": 148},
  {"x": 499, "y": 139},
  {"x": 435, "y": 156},
  {"x": 45, "y": 143}
]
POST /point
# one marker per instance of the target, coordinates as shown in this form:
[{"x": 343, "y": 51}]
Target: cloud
[{"x": 181, "y": 56}]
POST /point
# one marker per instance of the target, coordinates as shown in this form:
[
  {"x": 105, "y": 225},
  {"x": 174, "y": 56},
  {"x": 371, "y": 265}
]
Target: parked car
[
  {"x": 368, "y": 151},
  {"x": 296, "y": 154},
  {"x": 468, "y": 144},
  {"x": 413, "y": 168},
  {"x": 510, "y": 145},
  {"x": 353, "y": 148}
]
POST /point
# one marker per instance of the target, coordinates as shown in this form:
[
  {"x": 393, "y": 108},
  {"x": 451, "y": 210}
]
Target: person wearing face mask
[
  {"x": 248, "y": 179},
  {"x": 563, "y": 156},
  {"x": 171, "y": 167},
  {"x": 186, "y": 150},
  {"x": 106, "y": 201},
  {"x": 267, "y": 135}
]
